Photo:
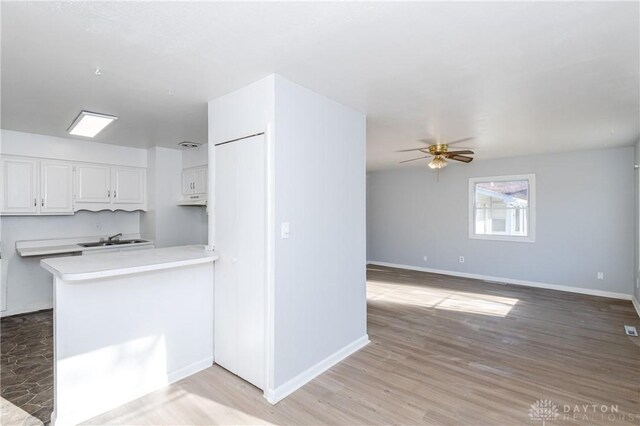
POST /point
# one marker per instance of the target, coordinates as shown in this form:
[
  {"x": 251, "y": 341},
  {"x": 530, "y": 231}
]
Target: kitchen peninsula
[{"x": 126, "y": 324}]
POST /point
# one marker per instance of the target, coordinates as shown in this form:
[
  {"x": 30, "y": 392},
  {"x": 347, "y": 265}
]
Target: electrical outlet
[
  {"x": 601, "y": 275},
  {"x": 461, "y": 259},
  {"x": 425, "y": 258}
]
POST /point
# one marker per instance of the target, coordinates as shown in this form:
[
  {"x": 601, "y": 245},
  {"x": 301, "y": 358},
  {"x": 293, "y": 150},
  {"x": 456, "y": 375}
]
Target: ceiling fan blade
[
  {"x": 413, "y": 149},
  {"x": 459, "y": 152},
  {"x": 414, "y": 159},
  {"x": 428, "y": 141},
  {"x": 462, "y": 158},
  {"x": 460, "y": 140}
]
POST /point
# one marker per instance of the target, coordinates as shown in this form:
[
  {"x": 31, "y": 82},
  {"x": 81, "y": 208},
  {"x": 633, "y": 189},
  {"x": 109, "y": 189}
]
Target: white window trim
[{"x": 531, "y": 238}]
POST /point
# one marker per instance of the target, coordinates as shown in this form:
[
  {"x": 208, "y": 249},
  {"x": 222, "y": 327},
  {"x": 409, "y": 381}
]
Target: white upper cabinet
[
  {"x": 19, "y": 185},
  {"x": 102, "y": 187},
  {"x": 56, "y": 187},
  {"x": 187, "y": 181},
  {"x": 31, "y": 186},
  {"x": 128, "y": 185},
  {"x": 200, "y": 180},
  {"x": 93, "y": 183},
  {"x": 194, "y": 181},
  {"x": 39, "y": 186}
]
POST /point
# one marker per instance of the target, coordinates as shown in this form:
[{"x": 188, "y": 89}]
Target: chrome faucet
[{"x": 114, "y": 237}]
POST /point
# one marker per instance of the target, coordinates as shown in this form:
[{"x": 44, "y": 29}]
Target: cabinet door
[
  {"x": 93, "y": 183},
  {"x": 19, "y": 185},
  {"x": 56, "y": 187},
  {"x": 187, "y": 181},
  {"x": 200, "y": 180},
  {"x": 127, "y": 185}
]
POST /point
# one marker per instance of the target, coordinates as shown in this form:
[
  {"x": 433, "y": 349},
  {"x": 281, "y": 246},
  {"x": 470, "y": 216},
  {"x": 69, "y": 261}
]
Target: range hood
[{"x": 193, "y": 200}]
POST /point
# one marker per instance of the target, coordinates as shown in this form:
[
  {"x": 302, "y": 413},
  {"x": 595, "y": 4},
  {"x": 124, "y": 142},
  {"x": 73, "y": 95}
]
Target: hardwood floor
[{"x": 443, "y": 350}]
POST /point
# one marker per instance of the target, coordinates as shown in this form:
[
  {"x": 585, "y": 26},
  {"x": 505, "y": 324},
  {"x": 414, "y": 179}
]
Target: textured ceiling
[{"x": 523, "y": 78}]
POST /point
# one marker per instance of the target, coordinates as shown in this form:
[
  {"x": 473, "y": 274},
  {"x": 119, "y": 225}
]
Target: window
[{"x": 502, "y": 208}]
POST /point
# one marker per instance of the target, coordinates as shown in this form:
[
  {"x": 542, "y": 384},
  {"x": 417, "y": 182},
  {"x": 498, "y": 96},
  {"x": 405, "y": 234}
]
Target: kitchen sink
[
  {"x": 112, "y": 243},
  {"x": 118, "y": 242},
  {"x": 96, "y": 244}
]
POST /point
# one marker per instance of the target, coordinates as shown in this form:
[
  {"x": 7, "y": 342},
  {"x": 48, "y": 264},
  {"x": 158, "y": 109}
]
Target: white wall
[
  {"x": 320, "y": 297},
  {"x": 246, "y": 111},
  {"x": 584, "y": 220},
  {"x": 26, "y": 286},
  {"x": 194, "y": 157},
  {"x": 42, "y": 146},
  {"x": 166, "y": 223},
  {"x": 637, "y": 226},
  {"x": 243, "y": 112},
  {"x": 317, "y": 158},
  {"x": 119, "y": 338}
]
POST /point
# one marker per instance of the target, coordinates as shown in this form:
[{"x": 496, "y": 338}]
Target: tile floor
[{"x": 26, "y": 362}]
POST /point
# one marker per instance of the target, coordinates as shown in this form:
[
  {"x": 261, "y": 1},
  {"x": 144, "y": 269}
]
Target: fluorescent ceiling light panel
[{"x": 89, "y": 124}]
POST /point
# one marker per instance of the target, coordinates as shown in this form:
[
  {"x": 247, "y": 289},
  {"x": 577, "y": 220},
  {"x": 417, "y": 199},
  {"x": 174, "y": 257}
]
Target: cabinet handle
[
  {"x": 114, "y": 194},
  {"x": 108, "y": 193},
  {"x": 43, "y": 202},
  {"x": 35, "y": 202}
]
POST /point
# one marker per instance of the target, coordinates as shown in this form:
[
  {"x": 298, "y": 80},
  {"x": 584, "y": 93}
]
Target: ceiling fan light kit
[{"x": 438, "y": 163}]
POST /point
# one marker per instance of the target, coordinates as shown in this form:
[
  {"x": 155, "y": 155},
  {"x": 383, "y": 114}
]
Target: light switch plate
[{"x": 284, "y": 230}]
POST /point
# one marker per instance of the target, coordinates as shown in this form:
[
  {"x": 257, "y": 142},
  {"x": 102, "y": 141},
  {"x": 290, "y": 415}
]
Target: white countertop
[
  {"x": 80, "y": 268},
  {"x": 70, "y": 245}
]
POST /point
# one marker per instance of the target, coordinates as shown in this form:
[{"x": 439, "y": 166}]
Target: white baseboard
[
  {"x": 83, "y": 414},
  {"x": 27, "y": 308},
  {"x": 188, "y": 370},
  {"x": 535, "y": 284},
  {"x": 287, "y": 388},
  {"x": 636, "y": 305}
]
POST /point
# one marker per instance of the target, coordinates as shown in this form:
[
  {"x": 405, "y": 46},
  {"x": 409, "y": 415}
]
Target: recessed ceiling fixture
[
  {"x": 187, "y": 144},
  {"x": 89, "y": 124}
]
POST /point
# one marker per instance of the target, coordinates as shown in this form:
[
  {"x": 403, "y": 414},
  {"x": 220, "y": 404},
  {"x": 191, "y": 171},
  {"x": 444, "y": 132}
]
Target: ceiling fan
[{"x": 441, "y": 153}]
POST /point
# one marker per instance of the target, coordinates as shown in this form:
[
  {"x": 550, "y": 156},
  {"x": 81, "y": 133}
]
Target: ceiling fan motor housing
[{"x": 438, "y": 149}]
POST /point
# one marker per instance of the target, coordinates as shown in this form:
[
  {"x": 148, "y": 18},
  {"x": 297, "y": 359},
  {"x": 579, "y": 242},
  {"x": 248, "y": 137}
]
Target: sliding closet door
[{"x": 240, "y": 271}]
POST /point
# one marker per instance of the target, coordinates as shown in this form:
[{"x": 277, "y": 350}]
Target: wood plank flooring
[{"x": 445, "y": 351}]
